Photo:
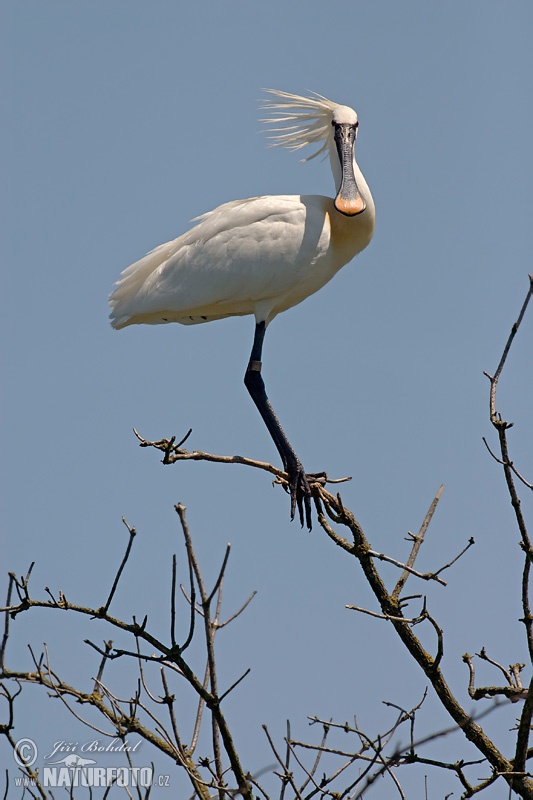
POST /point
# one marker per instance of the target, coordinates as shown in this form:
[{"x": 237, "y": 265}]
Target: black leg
[{"x": 298, "y": 484}]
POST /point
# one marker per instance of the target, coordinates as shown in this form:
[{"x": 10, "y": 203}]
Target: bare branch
[
  {"x": 233, "y": 685},
  {"x": 426, "y": 576},
  {"x": 365, "y": 758},
  {"x": 417, "y": 544},
  {"x": 133, "y": 534},
  {"x": 286, "y": 776},
  {"x": 221, "y": 625},
  {"x": 495, "y": 419}
]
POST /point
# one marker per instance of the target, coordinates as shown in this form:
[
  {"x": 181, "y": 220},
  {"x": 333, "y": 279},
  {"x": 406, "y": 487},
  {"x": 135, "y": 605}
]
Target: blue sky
[{"x": 123, "y": 122}]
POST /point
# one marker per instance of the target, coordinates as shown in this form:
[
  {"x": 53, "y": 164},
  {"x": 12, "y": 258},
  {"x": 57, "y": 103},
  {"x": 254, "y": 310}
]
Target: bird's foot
[{"x": 300, "y": 491}]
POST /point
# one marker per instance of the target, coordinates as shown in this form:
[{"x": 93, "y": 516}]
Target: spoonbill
[{"x": 261, "y": 256}]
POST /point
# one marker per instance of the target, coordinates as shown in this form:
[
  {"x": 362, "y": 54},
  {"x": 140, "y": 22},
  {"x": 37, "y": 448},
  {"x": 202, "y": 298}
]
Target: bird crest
[{"x": 301, "y": 120}]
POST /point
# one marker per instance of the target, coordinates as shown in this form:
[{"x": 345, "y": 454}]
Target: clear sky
[{"x": 123, "y": 121}]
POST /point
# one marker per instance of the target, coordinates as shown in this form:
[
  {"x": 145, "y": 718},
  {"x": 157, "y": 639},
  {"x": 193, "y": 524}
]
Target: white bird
[{"x": 261, "y": 256}]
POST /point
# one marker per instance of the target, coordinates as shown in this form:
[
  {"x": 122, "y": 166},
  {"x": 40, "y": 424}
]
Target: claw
[{"x": 300, "y": 494}]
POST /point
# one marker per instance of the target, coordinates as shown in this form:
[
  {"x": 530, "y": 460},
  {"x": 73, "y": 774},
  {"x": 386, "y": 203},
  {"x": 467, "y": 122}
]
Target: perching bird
[{"x": 261, "y": 256}]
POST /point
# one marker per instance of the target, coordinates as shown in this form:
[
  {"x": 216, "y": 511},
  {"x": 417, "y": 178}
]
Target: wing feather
[{"x": 235, "y": 257}]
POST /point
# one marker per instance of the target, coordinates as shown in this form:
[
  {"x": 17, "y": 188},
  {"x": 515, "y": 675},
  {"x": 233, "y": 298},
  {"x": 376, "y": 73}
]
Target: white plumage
[
  {"x": 263, "y": 255},
  {"x": 257, "y": 256}
]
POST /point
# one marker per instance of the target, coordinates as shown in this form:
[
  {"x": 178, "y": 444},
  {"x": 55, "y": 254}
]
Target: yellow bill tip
[{"x": 350, "y": 206}]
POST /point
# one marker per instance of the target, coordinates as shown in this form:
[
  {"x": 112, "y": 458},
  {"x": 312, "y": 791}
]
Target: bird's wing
[{"x": 236, "y": 256}]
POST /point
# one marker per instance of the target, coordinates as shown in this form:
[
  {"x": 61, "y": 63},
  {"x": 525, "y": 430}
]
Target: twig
[
  {"x": 417, "y": 544},
  {"x": 286, "y": 776},
  {"x": 507, "y": 464},
  {"x": 426, "y": 576},
  {"x": 133, "y": 534},
  {"x": 108, "y": 647},
  {"x": 387, "y": 617},
  {"x": 470, "y": 544},
  {"x": 496, "y": 421},
  {"x": 239, "y": 611},
  {"x": 173, "y": 603},
  {"x": 233, "y": 685}
]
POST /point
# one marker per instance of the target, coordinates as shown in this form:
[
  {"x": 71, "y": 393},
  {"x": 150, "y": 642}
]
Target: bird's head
[{"x": 296, "y": 121}]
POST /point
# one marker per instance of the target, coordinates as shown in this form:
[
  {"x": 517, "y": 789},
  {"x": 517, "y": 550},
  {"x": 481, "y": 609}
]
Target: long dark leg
[{"x": 298, "y": 484}]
